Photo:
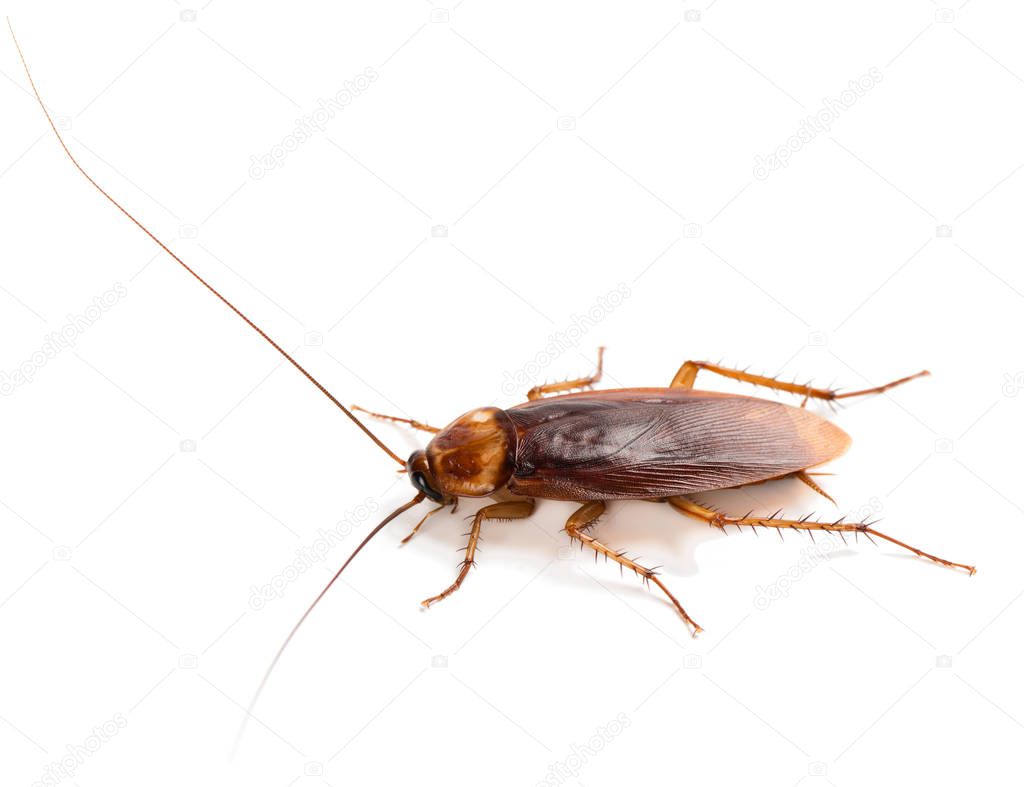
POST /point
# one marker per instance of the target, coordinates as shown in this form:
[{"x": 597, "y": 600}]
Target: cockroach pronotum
[{"x": 592, "y": 447}]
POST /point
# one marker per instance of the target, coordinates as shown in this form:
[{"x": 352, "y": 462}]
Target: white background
[{"x": 127, "y": 564}]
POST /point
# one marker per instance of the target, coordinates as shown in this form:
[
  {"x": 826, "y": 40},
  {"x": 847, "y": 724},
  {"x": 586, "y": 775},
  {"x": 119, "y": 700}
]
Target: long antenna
[
  {"x": 280, "y": 651},
  {"x": 182, "y": 263}
]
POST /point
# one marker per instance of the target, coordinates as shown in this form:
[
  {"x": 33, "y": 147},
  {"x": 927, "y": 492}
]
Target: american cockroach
[{"x": 592, "y": 447}]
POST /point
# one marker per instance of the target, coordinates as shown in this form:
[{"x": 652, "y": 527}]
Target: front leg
[
  {"x": 512, "y": 509},
  {"x": 398, "y": 420}
]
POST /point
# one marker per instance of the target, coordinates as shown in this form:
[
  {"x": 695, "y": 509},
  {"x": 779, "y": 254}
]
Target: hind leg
[
  {"x": 687, "y": 374},
  {"x": 716, "y": 519}
]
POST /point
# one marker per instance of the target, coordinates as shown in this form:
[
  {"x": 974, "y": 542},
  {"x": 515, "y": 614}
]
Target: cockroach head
[{"x": 471, "y": 457}]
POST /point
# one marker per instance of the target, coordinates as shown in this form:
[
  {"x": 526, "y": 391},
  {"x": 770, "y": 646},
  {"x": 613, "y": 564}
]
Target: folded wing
[{"x": 649, "y": 443}]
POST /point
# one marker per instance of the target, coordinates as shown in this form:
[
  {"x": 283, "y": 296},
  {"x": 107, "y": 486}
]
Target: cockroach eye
[
  {"x": 421, "y": 477},
  {"x": 420, "y": 482}
]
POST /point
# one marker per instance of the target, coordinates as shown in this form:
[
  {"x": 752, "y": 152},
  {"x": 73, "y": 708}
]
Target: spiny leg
[
  {"x": 687, "y": 374},
  {"x": 805, "y": 477},
  {"x": 568, "y": 385},
  {"x": 414, "y": 424},
  {"x": 716, "y": 519},
  {"x": 512, "y": 509},
  {"x": 584, "y": 518}
]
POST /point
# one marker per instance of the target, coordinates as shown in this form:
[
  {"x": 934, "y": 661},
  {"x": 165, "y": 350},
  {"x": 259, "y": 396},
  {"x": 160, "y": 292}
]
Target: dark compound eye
[{"x": 420, "y": 482}]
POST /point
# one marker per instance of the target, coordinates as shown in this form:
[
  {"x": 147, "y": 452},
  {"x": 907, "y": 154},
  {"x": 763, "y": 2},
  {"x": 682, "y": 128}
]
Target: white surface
[{"x": 127, "y": 563}]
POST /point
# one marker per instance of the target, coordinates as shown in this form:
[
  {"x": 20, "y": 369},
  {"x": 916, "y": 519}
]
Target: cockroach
[{"x": 568, "y": 442}]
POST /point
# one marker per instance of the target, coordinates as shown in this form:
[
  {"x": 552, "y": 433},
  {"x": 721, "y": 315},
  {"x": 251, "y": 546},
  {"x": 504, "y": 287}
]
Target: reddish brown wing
[{"x": 659, "y": 442}]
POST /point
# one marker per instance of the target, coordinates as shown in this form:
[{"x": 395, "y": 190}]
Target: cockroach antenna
[
  {"x": 280, "y": 651},
  {"x": 400, "y": 510},
  {"x": 182, "y": 263}
]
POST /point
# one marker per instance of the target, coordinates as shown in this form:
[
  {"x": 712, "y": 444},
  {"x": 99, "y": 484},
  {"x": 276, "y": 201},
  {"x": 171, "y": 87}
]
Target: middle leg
[
  {"x": 539, "y": 391},
  {"x": 584, "y": 518}
]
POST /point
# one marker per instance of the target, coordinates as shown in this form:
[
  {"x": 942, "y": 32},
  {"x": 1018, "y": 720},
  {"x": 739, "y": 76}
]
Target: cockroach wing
[{"x": 659, "y": 442}]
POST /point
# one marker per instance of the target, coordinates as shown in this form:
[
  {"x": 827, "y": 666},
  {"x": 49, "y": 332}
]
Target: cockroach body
[
  {"x": 657, "y": 444},
  {"x": 628, "y": 444}
]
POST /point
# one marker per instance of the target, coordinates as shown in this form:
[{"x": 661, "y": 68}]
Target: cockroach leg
[
  {"x": 803, "y": 476},
  {"x": 881, "y": 388},
  {"x": 568, "y": 385},
  {"x": 585, "y": 517},
  {"x": 715, "y": 519},
  {"x": 419, "y": 524},
  {"x": 414, "y": 424},
  {"x": 512, "y": 509},
  {"x": 687, "y": 374}
]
